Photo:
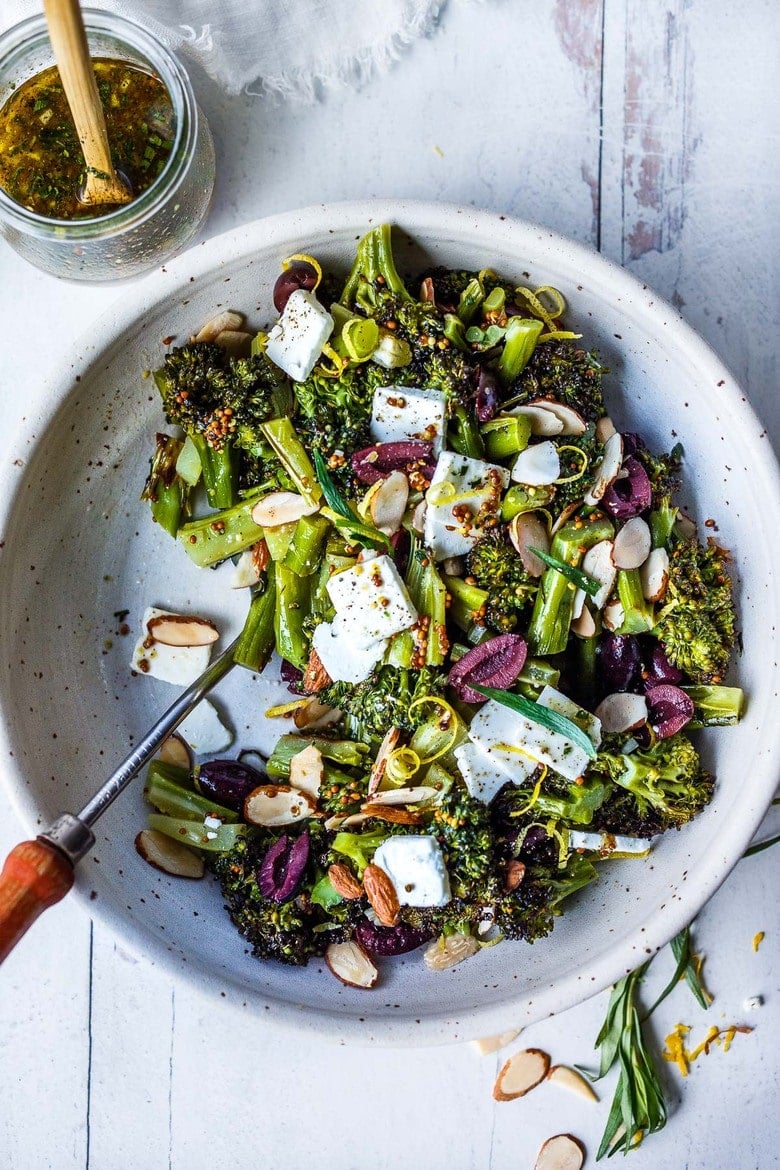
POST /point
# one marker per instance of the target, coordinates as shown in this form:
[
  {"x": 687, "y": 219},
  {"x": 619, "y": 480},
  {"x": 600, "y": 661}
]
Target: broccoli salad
[{"x": 496, "y": 626}]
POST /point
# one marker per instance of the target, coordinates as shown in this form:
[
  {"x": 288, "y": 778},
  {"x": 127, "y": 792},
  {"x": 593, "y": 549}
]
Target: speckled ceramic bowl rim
[{"x": 417, "y": 218}]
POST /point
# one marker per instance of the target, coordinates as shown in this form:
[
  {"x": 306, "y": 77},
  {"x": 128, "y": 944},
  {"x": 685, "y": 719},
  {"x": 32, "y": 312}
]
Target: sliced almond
[
  {"x": 315, "y": 677},
  {"x": 381, "y": 895},
  {"x": 654, "y": 575},
  {"x": 388, "y": 503},
  {"x": 562, "y": 1152},
  {"x": 386, "y": 748},
  {"x": 569, "y": 1078},
  {"x": 235, "y": 342},
  {"x": 454, "y": 566},
  {"x": 449, "y": 950},
  {"x": 339, "y": 821},
  {"x": 622, "y": 711},
  {"x": 173, "y": 629},
  {"x": 490, "y": 1044},
  {"x": 307, "y": 770},
  {"x": 350, "y": 963},
  {"x": 598, "y": 564},
  {"x": 393, "y": 796},
  {"x": 572, "y": 422},
  {"x": 314, "y": 715},
  {"x": 537, "y": 466},
  {"x": 168, "y": 855},
  {"x": 245, "y": 572},
  {"x": 344, "y": 882},
  {"x": 585, "y": 625},
  {"x": 565, "y": 515},
  {"x": 418, "y": 517},
  {"x": 174, "y": 750},
  {"x": 543, "y": 422},
  {"x": 607, "y": 470},
  {"x": 391, "y": 813},
  {"x": 613, "y": 616},
  {"x": 632, "y": 544},
  {"x": 213, "y": 327},
  {"x": 277, "y": 804},
  {"x": 513, "y": 875},
  {"x": 521, "y": 1073},
  {"x": 281, "y": 508},
  {"x": 526, "y": 532},
  {"x": 605, "y": 429}
]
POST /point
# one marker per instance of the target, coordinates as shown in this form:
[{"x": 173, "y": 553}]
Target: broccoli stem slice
[
  {"x": 347, "y": 753},
  {"x": 467, "y": 604},
  {"x": 715, "y": 706},
  {"x": 303, "y": 555},
  {"x": 221, "y": 535},
  {"x": 521, "y": 498},
  {"x": 168, "y": 790},
  {"x": 165, "y": 489},
  {"x": 429, "y": 597},
  {"x": 522, "y": 334},
  {"x": 548, "y": 630},
  {"x": 662, "y": 521},
  {"x": 256, "y": 641},
  {"x": 374, "y": 259},
  {"x": 193, "y": 833},
  {"x": 293, "y": 604},
  {"x": 220, "y": 472},
  {"x": 638, "y": 614},
  {"x": 463, "y": 433},
  {"x": 291, "y": 453},
  {"x": 505, "y": 435}
]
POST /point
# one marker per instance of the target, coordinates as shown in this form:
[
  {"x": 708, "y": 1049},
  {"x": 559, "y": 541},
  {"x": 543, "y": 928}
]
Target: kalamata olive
[
  {"x": 390, "y": 940},
  {"x": 402, "y": 544},
  {"x": 487, "y": 395},
  {"x": 228, "y": 782},
  {"x": 658, "y": 668},
  {"x": 292, "y": 676},
  {"x": 619, "y": 663},
  {"x": 298, "y": 275},
  {"x": 632, "y": 442},
  {"x": 629, "y": 494},
  {"x": 669, "y": 709},
  {"x": 281, "y": 870},
  {"x": 496, "y": 663},
  {"x": 374, "y": 463}
]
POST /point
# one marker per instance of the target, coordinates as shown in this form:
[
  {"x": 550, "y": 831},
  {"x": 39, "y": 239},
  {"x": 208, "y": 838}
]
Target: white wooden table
[{"x": 643, "y": 127}]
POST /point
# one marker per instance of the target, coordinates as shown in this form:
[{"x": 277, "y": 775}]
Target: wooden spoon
[{"x": 69, "y": 41}]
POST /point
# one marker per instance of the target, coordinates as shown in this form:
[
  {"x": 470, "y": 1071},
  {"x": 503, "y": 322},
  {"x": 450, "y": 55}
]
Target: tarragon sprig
[{"x": 340, "y": 513}]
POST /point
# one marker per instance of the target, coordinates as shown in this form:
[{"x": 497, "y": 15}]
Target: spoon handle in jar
[{"x": 69, "y": 41}]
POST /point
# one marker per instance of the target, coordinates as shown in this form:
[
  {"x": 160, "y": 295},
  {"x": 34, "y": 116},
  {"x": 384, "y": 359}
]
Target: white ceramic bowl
[{"x": 80, "y": 548}]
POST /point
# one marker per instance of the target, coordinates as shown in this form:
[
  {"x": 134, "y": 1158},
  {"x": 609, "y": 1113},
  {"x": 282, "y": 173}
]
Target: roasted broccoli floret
[
  {"x": 529, "y": 911},
  {"x": 384, "y": 700},
  {"x": 496, "y": 568},
  {"x": 667, "y": 783},
  {"x": 219, "y": 402},
  {"x": 165, "y": 490},
  {"x": 373, "y": 272},
  {"x": 697, "y": 625},
  {"x": 579, "y": 457},
  {"x": 563, "y": 371},
  {"x": 283, "y": 931},
  {"x": 334, "y": 414}
]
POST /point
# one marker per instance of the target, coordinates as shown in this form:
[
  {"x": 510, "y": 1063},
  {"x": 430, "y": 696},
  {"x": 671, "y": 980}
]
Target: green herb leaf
[
  {"x": 542, "y": 715},
  {"x": 582, "y": 580},
  {"x": 760, "y": 846},
  {"x": 686, "y": 967},
  {"x": 342, "y": 515},
  {"x": 329, "y": 489}
]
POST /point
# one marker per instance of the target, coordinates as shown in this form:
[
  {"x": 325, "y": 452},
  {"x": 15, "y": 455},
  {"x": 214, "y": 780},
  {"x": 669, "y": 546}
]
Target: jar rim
[{"x": 33, "y": 33}]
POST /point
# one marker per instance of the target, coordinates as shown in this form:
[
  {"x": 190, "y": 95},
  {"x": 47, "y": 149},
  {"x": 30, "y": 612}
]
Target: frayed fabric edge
[{"x": 308, "y": 86}]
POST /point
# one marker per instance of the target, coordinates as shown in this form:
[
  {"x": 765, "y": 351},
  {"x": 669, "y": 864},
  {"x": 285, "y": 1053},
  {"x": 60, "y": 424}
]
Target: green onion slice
[
  {"x": 582, "y": 580},
  {"x": 361, "y": 337},
  {"x": 542, "y": 715}
]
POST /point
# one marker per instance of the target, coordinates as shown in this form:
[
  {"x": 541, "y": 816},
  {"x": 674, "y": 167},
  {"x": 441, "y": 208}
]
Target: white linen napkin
[{"x": 290, "y": 48}]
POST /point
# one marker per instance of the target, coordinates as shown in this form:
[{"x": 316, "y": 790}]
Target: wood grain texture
[{"x": 34, "y": 877}]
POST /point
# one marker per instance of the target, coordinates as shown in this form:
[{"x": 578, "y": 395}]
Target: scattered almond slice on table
[
  {"x": 521, "y": 1073},
  {"x": 562, "y": 1152},
  {"x": 490, "y": 1044},
  {"x": 569, "y": 1078}
]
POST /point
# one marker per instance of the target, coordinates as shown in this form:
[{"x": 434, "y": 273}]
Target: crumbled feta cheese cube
[
  {"x": 456, "y": 513},
  {"x": 343, "y": 660},
  {"x": 180, "y": 665},
  {"x": 296, "y": 340},
  {"x": 556, "y": 701},
  {"x": 403, "y": 412},
  {"x": 212, "y": 822},
  {"x": 371, "y": 601},
  {"x": 416, "y": 868},
  {"x": 204, "y": 731},
  {"x": 496, "y": 725},
  {"x": 485, "y": 771},
  {"x": 606, "y": 843}
]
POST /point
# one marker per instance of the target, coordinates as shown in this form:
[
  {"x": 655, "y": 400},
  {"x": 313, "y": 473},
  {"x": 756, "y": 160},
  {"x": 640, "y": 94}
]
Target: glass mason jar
[{"x": 162, "y": 220}]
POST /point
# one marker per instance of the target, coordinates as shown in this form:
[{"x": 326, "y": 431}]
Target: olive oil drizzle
[{"x": 41, "y": 163}]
